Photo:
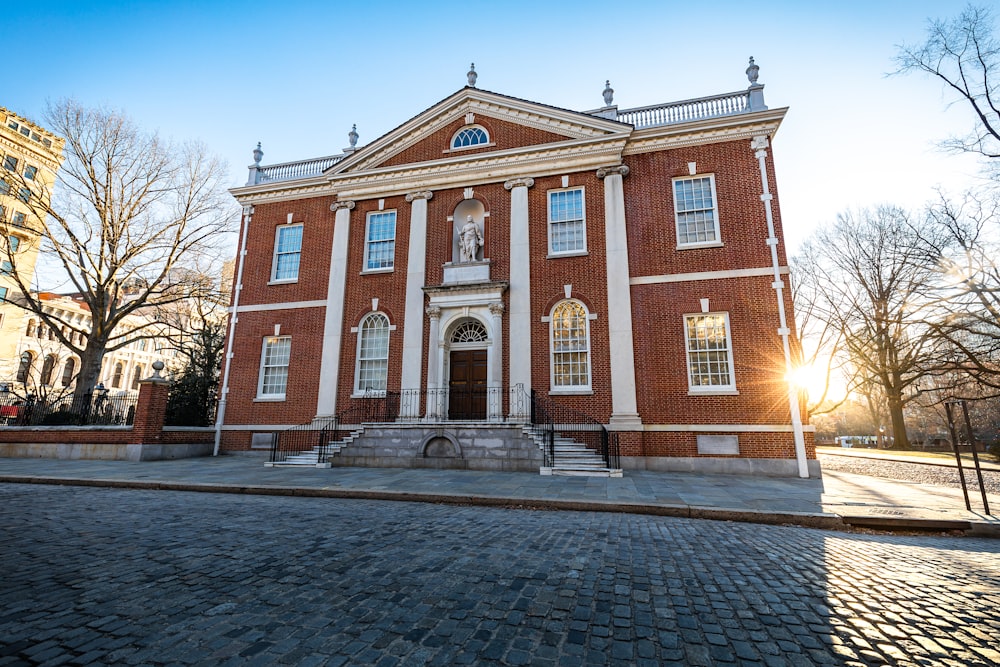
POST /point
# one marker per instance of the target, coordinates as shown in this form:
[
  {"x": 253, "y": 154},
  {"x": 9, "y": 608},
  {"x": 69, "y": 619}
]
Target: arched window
[
  {"x": 570, "y": 346},
  {"x": 116, "y": 379},
  {"x": 69, "y": 370},
  {"x": 470, "y": 331},
  {"x": 30, "y": 331},
  {"x": 473, "y": 135},
  {"x": 48, "y": 366},
  {"x": 373, "y": 353},
  {"x": 24, "y": 369},
  {"x": 136, "y": 376}
]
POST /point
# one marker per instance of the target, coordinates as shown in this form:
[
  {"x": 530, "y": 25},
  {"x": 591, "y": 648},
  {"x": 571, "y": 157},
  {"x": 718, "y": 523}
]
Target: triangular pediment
[{"x": 511, "y": 122}]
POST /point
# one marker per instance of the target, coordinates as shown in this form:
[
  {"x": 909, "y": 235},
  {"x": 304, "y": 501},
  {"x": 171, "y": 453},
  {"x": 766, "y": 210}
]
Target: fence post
[{"x": 151, "y": 408}]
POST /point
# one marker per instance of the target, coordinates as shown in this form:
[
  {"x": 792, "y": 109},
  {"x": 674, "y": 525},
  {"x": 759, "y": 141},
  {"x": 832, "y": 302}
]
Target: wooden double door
[{"x": 467, "y": 385}]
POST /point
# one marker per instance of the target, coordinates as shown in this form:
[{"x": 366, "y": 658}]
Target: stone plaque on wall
[
  {"x": 261, "y": 441},
  {"x": 718, "y": 444}
]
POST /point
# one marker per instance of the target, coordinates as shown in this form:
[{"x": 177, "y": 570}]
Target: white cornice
[
  {"x": 523, "y": 112},
  {"x": 707, "y": 131}
]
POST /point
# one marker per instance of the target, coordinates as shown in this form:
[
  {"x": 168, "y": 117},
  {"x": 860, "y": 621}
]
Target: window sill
[
  {"x": 459, "y": 149},
  {"x": 574, "y": 253},
  {"x": 713, "y": 392},
  {"x": 696, "y": 246},
  {"x": 286, "y": 281},
  {"x": 368, "y": 394},
  {"x": 388, "y": 269},
  {"x": 571, "y": 392},
  {"x": 269, "y": 399}
]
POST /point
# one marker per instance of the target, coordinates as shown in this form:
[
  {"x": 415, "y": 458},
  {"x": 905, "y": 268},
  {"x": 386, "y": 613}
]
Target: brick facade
[{"x": 735, "y": 277}]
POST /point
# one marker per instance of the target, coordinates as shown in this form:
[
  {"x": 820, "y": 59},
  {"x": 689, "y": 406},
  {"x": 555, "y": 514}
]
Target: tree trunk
[
  {"x": 90, "y": 371},
  {"x": 899, "y": 440}
]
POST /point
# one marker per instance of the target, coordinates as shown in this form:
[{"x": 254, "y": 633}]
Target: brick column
[{"x": 150, "y": 410}]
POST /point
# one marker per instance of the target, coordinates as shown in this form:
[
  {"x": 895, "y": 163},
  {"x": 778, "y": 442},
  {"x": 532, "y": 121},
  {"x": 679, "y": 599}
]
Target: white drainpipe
[
  {"x": 759, "y": 146},
  {"x": 234, "y": 318}
]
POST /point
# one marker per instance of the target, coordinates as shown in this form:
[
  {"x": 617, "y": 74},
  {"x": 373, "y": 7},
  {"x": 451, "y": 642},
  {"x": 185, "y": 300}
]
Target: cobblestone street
[{"x": 107, "y": 577}]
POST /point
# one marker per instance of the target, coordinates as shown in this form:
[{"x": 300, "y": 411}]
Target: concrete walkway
[{"x": 835, "y": 501}]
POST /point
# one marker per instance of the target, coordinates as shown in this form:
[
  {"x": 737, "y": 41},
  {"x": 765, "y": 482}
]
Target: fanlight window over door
[{"x": 470, "y": 331}]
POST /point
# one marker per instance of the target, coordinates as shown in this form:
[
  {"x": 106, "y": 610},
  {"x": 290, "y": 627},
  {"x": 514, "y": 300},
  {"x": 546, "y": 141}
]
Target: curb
[{"x": 821, "y": 520}]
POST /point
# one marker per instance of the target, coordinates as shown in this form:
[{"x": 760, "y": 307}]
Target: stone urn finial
[
  {"x": 258, "y": 155},
  {"x": 752, "y": 72},
  {"x": 609, "y": 93},
  {"x": 352, "y": 136},
  {"x": 157, "y": 367},
  {"x": 472, "y": 75}
]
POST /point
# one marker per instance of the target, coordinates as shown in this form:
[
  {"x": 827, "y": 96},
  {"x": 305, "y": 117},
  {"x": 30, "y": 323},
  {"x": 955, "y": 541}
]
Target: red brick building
[{"x": 623, "y": 267}]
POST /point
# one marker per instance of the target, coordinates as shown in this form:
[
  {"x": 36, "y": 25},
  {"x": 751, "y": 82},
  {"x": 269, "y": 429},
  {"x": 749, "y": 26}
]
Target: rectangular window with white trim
[
  {"x": 696, "y": 212},
  {"x": 709, "y": 354},
  {"x": 274, "y": 358},
  {"x": 380, "y": 241},
  {"x": 567, "y": 222},
  {"x": 287, "y": 253}
]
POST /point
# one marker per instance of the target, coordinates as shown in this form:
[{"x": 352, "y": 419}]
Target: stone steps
[{"x": 572, "y": 459}]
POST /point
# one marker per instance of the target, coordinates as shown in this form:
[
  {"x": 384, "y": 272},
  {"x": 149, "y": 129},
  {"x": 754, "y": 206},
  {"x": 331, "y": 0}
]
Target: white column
[
  {"x": 520, "y": 284},
  {"x": 413, "y": 315},
  {"x": 434, "y": 364},
  {"x": 333, "y": 324},
  {"x": 624, "y": 410},
  {"x": 759, "y": 146},
  {"x": 494, "y": 381}
]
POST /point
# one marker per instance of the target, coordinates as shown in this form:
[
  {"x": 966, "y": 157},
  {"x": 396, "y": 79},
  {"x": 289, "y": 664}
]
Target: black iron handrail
[{"x": 553, "y": 418}]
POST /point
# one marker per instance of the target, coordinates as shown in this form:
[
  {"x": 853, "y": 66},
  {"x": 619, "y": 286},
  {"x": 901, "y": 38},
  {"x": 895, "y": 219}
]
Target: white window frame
[
  {"x": 583, "y": 222},
  {"x": 703, "y": 389},
  {"x": 585, "y": 388},
  {"x": 392, "y": 259},
  {"x": 686, "y": 245},
  {"x": 359, "y": 391},
  {"x": 265, "y": 365},
  {"x": 278, "y": 231},
  {"x": 465, "y": 128}
]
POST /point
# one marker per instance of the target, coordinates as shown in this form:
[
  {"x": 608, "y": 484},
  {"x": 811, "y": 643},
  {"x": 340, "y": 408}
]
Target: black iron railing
[
  {"x": 552, "y": 419},
  {"x": 94, "y": 409}
]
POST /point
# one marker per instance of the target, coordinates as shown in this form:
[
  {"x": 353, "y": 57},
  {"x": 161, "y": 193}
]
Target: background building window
[
  {"x": 373, "y": 353},
  {"x": 69, "y": 371},
  {"x": 274, "y": 366},
  {"x": 570, "y": 346},
  {"x": 14, "y": 243},
  {"x": 6, "y": 268},
  {"x": 10, "y": 163},
  {"x": 3, "y": 294},
  {"x": 136, "y": 376},
  {"x": 470, "y": 136},
  {"x": 709, "y": 359},
  {"x": 30, "y": 172},
  {"x": 287, "y": 252},
  {"x": 116, "y": 379},
  {"x": 24, "y": 368},
  {"x": 695, "y": 210},
  {"x": 48, "y": 366},
  {"x": 380, "y": 241},
  {"x": 567, "y": 227}
]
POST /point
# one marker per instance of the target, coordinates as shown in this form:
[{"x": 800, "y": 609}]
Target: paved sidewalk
[
  {"x": 831, "y": 502},
  {"x": 986, "y": 461}
]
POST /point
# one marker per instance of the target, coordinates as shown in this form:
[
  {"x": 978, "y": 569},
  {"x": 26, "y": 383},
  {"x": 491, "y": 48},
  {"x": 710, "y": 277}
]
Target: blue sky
[{"x": 295, "y": 76}]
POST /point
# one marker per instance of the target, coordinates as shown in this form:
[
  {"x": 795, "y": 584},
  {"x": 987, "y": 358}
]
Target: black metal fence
[
  {"x": 94, "y": 409},
  {"x": 554, "y": 419}
]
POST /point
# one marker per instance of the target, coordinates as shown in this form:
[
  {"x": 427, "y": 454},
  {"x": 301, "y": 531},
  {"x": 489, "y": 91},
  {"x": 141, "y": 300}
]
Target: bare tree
[
  {"x": 964, "y": 55},
  {"x": 870, "y": 284},
  {"x": 128, "y": 213},
  {"x": 961, "y": 239}
]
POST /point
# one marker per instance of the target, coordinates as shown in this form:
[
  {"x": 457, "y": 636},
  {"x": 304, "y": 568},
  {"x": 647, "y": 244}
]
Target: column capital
[
  {"x": 497, "y": 309},
  {"x": 523, "y": 182},
  {"x": 433, "y": 312},
  {"x": 620, "y": 169},
  {"x": 337, "y": 205},
  {"x": 422, "y": 194},
  {"x": 759, "y": 143}
]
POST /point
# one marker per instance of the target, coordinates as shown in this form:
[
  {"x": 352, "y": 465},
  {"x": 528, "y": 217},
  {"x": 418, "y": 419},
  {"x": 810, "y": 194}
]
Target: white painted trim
[
  {"x": 715, "y": 212},
  {"x": 257, "y": 427},
  {"x": 583, "y": 220},
  {"x": 697, "y": 390},
  {"x": 274, "y": 253},
  {"x": 286, "y": 305},
  {"x": 705, "y": 275},
  {"x": 722, "y": 428},
  {"x": 699, "y": 246}
]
